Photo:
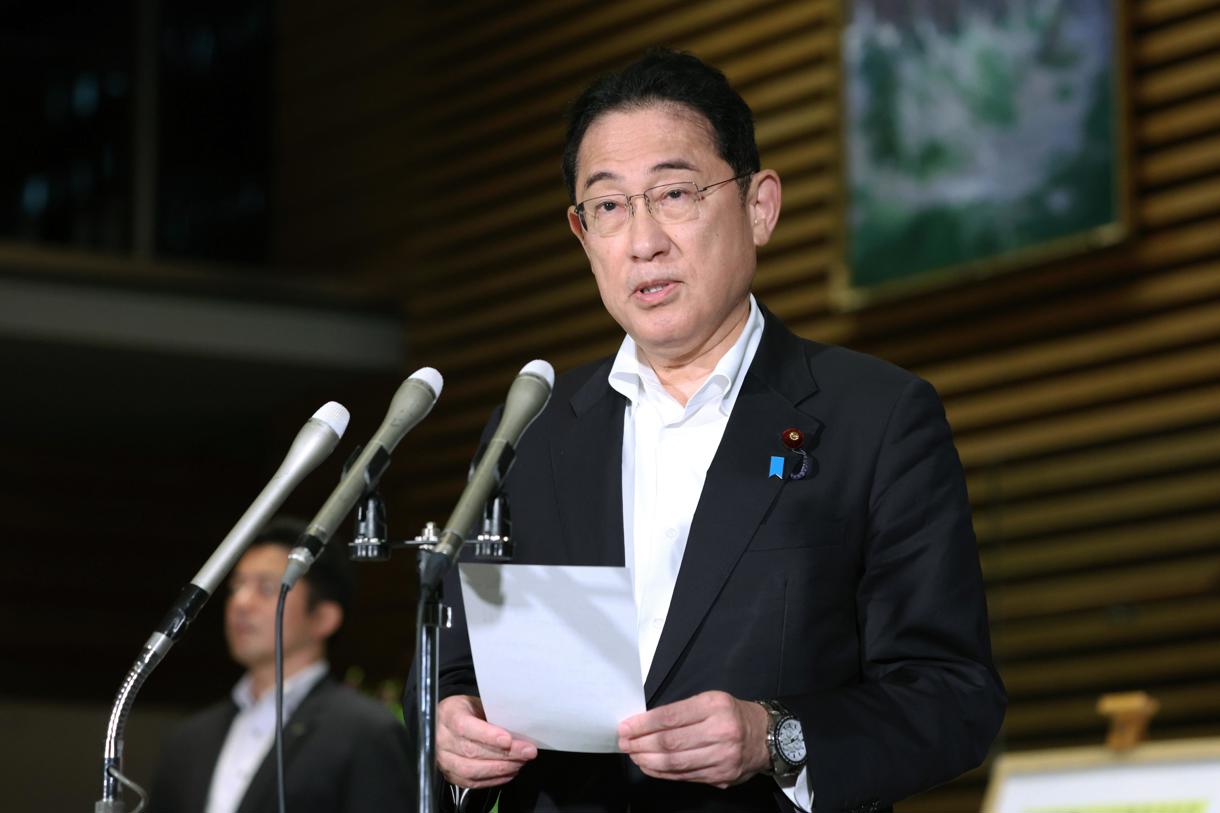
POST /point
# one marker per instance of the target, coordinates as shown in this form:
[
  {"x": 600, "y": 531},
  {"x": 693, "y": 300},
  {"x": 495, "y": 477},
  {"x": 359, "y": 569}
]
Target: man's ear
[
  {"x": 574, "y": 225},
  {"x": 765, "y": 200},
  {"x": 325, "y": 619}
]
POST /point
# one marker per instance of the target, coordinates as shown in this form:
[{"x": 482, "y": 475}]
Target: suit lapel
[
  {"x": 260, "y": 795},
  {"x": 210, "y": 744},
  {"x": 587, "y": 461},
  {"x": 737, "y": 492}
]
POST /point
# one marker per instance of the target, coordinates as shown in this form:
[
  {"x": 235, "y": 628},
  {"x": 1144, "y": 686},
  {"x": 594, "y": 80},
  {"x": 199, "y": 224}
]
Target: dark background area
[
  {"x": 68, "y": 76},
  {"x": 159, "y": 362}
]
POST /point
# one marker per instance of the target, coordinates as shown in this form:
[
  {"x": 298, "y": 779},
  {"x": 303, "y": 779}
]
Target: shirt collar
[
  {"x": 296, "y": 688},
  {"x": 636, "y": 380}
]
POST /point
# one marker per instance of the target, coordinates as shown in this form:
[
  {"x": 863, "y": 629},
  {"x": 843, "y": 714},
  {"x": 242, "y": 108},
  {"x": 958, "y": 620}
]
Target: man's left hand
[{"x": 712, "y": 738}]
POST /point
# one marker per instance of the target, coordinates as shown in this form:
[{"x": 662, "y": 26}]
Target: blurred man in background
[{"x": 343, "y": 752}]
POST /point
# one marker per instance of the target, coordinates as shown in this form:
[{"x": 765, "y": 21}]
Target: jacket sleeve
[{"x": 929, "y": 701}]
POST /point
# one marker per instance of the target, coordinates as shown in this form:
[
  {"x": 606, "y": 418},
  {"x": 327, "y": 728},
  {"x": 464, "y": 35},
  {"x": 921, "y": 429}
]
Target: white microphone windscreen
[
  {"x": 334, "y": 415},
  {"x": 430, "y": 376},
  {"x": 541, "y": 369}
]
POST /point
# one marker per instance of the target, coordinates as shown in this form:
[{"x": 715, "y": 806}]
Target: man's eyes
[{"x": 264, "y": 587}]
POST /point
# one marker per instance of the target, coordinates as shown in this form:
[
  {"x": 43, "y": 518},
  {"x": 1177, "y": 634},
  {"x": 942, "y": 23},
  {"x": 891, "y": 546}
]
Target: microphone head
[
  {"x": 527, "y": 397},
  {"x": 414, "y": 399},
  {"x": 431, "y": 377},
  {"x": 540, "y": 369},
  {"x": 334, "y": 415}
]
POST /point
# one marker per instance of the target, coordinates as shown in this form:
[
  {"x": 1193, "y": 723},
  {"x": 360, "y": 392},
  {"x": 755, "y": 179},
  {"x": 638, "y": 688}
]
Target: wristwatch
[{"x": 785, "y": 740}]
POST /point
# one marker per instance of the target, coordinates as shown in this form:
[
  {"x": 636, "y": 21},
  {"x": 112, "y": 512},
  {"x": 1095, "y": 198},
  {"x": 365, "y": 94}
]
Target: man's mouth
[{"x": 655, "y": 289}]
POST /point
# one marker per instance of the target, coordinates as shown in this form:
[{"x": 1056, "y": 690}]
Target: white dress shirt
[
  {"x": 252, "y": 734},
  {"x": 667, "y": 450}
]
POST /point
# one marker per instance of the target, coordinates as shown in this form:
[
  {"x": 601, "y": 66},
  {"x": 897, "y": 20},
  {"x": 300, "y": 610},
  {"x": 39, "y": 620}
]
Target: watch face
[{"x": 790, "y": 741}]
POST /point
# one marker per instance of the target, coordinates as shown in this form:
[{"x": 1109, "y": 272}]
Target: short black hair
[
  {"x": 330, "y": 577},
  {"x": 665, "y": 76}
]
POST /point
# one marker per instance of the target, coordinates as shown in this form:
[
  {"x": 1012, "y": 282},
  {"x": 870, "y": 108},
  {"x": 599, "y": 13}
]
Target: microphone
[
  {"x": 527, "y": 397},
  {"x": 316, "y": 440},
  {"x": 410, "y": 404}
]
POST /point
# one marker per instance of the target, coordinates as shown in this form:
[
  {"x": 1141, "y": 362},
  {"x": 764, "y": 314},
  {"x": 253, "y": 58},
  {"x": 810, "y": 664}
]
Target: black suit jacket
[
  {"x": 343, "y": 753},
  {"x": 853, "y": 595}
]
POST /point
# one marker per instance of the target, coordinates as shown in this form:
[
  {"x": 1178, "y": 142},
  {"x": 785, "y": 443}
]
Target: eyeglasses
[{"x": 668, "y": 203}]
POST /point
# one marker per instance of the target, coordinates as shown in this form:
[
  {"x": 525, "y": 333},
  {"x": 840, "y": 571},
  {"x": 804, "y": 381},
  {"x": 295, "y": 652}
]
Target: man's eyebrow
[
  {"x": 606, "y": 175},
  {"x": 599, "y": 176},
  {"x": 676, "y": 163}
]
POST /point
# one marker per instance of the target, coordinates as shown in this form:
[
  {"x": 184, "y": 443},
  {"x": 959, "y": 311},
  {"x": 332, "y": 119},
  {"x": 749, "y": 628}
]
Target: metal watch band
[{"x": 780, "y": 766}]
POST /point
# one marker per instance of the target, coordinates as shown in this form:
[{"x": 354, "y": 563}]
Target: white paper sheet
[{"x": 556, "y": 651}]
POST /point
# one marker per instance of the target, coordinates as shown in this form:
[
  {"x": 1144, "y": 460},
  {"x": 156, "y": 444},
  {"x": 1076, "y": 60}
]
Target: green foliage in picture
[{"x": 977, "y": 130}]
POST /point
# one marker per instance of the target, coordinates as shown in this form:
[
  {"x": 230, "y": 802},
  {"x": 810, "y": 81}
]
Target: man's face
[
  {"x": 678, "y": 289},
  {"x": 250, "y": 610}
]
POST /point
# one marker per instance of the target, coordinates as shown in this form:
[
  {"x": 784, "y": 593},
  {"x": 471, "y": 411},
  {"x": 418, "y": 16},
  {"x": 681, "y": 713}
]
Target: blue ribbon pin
[{"x": 777, "y": 467}]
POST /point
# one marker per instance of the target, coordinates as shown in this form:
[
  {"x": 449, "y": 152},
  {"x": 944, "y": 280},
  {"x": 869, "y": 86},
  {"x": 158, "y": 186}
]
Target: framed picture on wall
[
  {"x": 978, "y": 136},
  {"x": 1174, "y": 776}
]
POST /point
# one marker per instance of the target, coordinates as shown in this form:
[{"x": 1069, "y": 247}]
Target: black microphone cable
[{"x": 279, "y": 696}]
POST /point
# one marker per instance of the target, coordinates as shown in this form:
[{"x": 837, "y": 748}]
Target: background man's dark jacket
[{"x": 343, "y": 753}]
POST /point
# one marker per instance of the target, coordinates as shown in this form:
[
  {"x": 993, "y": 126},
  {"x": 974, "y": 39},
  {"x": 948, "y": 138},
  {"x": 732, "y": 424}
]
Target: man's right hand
[{"x": 473, "y": 753}]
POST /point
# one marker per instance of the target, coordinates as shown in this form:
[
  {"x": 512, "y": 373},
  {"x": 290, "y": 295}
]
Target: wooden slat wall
[{"x": 420, "y": 159}]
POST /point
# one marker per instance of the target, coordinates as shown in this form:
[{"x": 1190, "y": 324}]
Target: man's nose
[
  {"x": 648, "y": 237},
  {"x": 242, "y": 595}
]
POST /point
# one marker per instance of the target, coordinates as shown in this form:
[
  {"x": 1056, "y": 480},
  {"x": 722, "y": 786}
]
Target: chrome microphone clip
[{"x": 493, "y": 542}]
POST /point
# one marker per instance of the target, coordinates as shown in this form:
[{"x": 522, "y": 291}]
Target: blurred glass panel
[
  {"x": 66, "y": 81},
  {"x": 214, "y": 132},
  {"x": 73, "y": 85}
]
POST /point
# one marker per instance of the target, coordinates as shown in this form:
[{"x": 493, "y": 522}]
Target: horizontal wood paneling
[{"x": 421, "y": 159}]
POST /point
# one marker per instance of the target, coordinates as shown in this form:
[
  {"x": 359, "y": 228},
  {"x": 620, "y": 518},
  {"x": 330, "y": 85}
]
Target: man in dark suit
[
  {"x": 343, "y": 752},
  {"x": 811, "y": 616}
]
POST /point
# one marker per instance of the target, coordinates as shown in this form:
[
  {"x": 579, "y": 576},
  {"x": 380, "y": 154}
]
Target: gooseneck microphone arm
[{"x": 317, "y": 439}]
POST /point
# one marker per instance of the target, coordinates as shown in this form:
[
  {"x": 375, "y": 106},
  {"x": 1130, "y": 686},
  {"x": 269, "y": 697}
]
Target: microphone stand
[
  {"x": 432, "y": 612},
  {"x": 185, "y": 608},
  {"x": 369, "y": 544},
  {"x": 112, "y": 755}
]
